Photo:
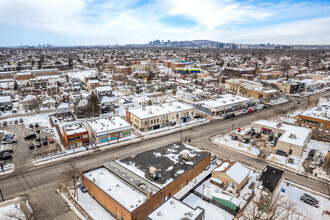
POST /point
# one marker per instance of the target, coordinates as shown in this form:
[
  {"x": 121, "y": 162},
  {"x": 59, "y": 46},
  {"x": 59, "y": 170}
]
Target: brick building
[
  {"x": 75, "y": 135},
  {"x": 317, "y": 117},
  {"x": 131, "y": 188}
]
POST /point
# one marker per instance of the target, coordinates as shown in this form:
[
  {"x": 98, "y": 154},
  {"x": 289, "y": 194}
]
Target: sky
[{"x": 109, "y": 22}]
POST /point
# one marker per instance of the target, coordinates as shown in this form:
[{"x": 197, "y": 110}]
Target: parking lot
[
  {"x": 248, "y": 136},
  {"x": 21, "y": 153}
]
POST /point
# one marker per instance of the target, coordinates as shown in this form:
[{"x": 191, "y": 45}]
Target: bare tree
[
  {"x": 271, "y": 207},
  {"x": 72, "y": 174}
]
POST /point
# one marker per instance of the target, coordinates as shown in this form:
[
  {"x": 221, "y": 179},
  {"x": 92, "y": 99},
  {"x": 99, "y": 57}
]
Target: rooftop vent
[
  {"x": 185, "y": 156},
  {"x": 279, "y": 125},
  {"x": 154, "y": 172},
  {"x": 293, "y": 136}
]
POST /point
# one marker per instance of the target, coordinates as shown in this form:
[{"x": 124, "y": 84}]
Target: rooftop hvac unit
[
  {"x": 154, "y": 172},
  {"x": 293, "y": 136},
  {"x": 185, "y": 156},
  {"x": 150, "y": 112}
]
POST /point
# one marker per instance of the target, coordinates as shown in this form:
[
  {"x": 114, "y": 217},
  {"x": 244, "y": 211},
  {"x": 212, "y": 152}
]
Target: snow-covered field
[
  {"x": 226, "y": 140},
  {"x": 12, "y": 208},
  {"x": 212, "y": 212}
]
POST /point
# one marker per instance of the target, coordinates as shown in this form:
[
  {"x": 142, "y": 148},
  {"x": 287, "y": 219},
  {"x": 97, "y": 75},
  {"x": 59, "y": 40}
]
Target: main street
[{"x": 39, "y": 183}]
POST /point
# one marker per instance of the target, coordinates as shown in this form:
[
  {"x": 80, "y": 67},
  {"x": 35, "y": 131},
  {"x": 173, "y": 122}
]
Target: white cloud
[{"x": 119, "y": 22}]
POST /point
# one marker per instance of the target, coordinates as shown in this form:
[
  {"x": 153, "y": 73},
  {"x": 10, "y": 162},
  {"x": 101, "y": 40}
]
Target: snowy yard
[
  {"x": 321, "y": 151},
  {"x": 211, "y": 211},
  {"x": 226, "y": 140},
  {"x": 92, "y": 207},
  {"x": 11, "y": 209},
  {"x": 293, "y": 193}
]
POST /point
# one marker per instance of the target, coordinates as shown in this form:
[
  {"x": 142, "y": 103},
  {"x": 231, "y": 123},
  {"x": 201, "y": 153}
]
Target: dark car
[
  {"x": 31, "y": 125},
  {"x": 44, "y": 138},
  {"x": 270, "y": 138},
  {"x": 281, "y": 153},
  {"x": 6, "y": 157},
  {"x": 21, "y": 120},
  {"x": 234, "y": 137},
  {"x": 232, "y": 115},
  {"x": 38, "y": 144},
  {"x": 246, "y": 140},
  {"x": 5, "y": 123},
  {"x": 312, "y": 152},
  {"x": 6, "y": 151},
  {"x": 309, "y": 200},
  {"x": 36, "y": 125},
  {"x": 258, "y": 135},
  {"x": 248, "y": 132},
  {"x": 16, "y": 122},
  {"x": 31, "y": 145},
  {"x": 44, "y": 142},
  {"x": 30, "y": 136},
  {"x": 226, "y": 116},
  {"x": 37, "y": 139},
  {"x": 252, "y": 133},
  {"x": 37, "y": 130}
]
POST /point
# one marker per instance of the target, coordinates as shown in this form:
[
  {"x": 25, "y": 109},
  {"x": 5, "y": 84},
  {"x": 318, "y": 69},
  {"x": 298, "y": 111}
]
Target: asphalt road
[{"x": 40, "y": 183}]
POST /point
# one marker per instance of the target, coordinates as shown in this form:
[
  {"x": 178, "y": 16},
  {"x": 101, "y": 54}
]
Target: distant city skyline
[{"x": 100, "y": 22}]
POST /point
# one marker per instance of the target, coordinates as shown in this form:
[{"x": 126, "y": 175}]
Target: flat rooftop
[
  {"x": 74, "y": 129},
  {"x": 175, "y": 210},
  {"x": 321, "y": 112},
  {"x": 156, "y": 110},
  {"x": 270, "y": 177},
  {"x": 123, "y": 193},
  {"x": 106, "y": 125},
  {"x": 168, "y": 159},
  {"x": 224, "y": 100}
]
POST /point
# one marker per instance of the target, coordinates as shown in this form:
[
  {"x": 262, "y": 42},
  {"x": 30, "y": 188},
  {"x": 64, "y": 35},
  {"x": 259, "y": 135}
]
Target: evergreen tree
[
  {"x": 15, "y": 85},
  {"x": 93, "y": 106}
]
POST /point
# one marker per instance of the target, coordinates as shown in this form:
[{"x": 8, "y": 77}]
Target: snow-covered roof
[
  {"x": 106, "y": 99},
  {"x": 127, "y": 196},
  {"x": 29, "y": 98},
  {"x": 237, "y": 172},
  {"x": 226, "y": 99},
  {"x": 63, "y": 105},
  {"x": 4, "y": 99},
  {"x": 322, "y": 111},
  {"x": 175, "y": 210},
  {"x": 75, "y": 128},
  {"x": 106, "y": 125},
  {"x": 103, "y": 88},
  {"x": 156, "y": 110}
]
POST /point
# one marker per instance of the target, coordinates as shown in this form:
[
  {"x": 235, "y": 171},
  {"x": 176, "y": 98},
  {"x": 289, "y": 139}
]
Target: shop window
[
  {"x": 78, "y": 138},
  {"x": 85, "y": 136}
]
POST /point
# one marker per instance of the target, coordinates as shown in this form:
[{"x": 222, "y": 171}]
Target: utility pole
[{"x": 2, "y": 196}]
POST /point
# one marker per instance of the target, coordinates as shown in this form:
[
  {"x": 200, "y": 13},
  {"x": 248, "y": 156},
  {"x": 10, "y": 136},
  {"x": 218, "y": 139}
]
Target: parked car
[
  {"x": 51, "y": 140},
  {"x": 44, "y": 142},
  {"x": 10, "y": 141},
  {"x": 309, "y": 200},
  {"x": 232, "y": 115},
  {"x": 14, "y": 111},
  {"x": 5, "y": 123},
  {"x": 248, "y": 132},
  {"x": 273, "y": 143},
  {"x": 258, "y": 135},
  {"x": 250, "y": 110},
  {"x": 38, "y": 139},
  {"x": 30, "y": 136},
  {"x": 270, "y": 138},
  {"x": 44, "y": 138},
  {"x": 38, "y": 144},
  {"x": 234, "y": 137},
  {"x": 226, "y": 116},
  {"x": 16, "y": 122},
  {"x": 311, "y": 153},
  {"x": 31, "y": 125},
  {"x": 36, "y": 125},
  {"x": 252, "y": 133},
  {"x": 252, "y": 142},
  {"x": 281, "y": 153},
  {"x": 31, "y": 145},
  {"x": 312, "y": 165},
  {"x": 245, "y": 140},
  {"x": 6, "y": 151},
  {"x": 21, "y": 120},
  {"x": 6, "y": 157},
  {"x": 37, "y": 130}
]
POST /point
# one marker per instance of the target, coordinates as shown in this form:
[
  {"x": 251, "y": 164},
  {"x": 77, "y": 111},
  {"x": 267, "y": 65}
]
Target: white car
[{"x": 312, "y": 165}]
